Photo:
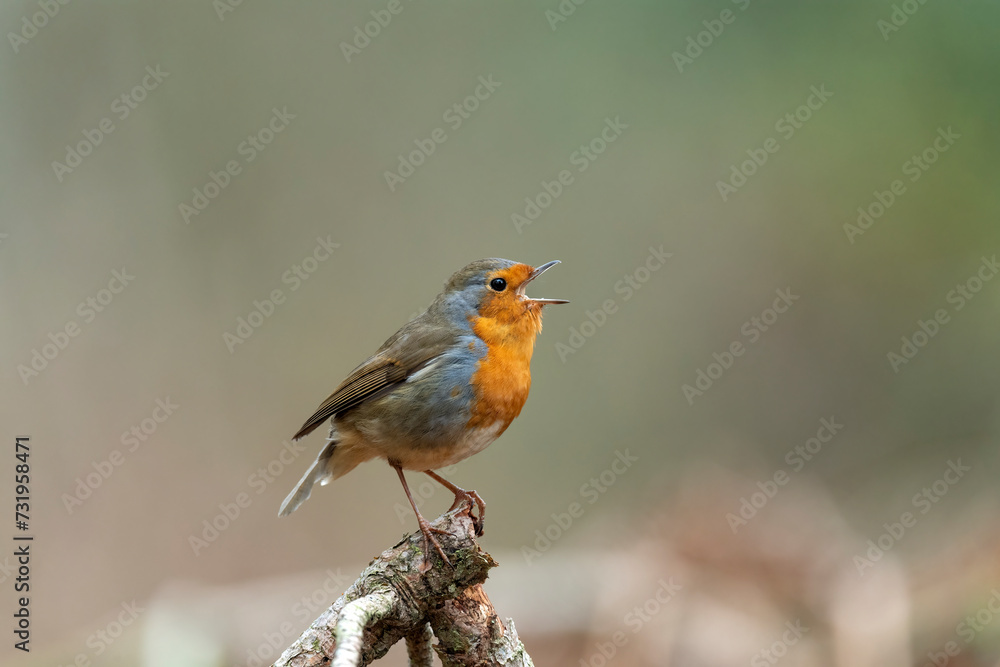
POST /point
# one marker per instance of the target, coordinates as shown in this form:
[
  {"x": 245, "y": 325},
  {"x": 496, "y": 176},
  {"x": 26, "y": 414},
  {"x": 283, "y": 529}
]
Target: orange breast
[{"x": 503, "y": 377}]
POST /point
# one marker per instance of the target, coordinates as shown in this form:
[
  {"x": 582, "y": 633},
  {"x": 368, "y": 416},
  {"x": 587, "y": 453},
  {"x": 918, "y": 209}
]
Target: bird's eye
[{"x": 498, "y": 284}]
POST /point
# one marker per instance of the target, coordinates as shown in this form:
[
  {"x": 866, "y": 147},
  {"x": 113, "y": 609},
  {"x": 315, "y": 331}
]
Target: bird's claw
[
  {"x": 427, "y": 530},
  {"x": 471, "y": 497}
]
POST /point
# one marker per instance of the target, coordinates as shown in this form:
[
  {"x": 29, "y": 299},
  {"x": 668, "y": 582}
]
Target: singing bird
[{"x": 441, "y": 389}]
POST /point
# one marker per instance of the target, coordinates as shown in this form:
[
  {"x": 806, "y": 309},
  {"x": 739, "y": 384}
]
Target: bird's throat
[{"x": 503, "y": 377}]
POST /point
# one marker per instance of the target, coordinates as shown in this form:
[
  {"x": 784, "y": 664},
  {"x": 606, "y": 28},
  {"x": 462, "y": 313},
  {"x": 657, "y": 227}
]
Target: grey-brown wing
[{"x": 406, "y": 352}]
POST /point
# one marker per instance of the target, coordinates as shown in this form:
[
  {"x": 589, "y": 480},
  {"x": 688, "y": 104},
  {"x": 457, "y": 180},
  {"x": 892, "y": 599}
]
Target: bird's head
[{"x": 494, "y": 291}]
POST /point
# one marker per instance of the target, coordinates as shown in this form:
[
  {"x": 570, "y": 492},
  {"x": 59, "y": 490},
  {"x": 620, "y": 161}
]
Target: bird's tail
[{"x": 319, "y": 471}]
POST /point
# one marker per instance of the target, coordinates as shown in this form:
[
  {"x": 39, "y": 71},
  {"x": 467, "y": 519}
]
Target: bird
[{"x": 442, "y": 388}]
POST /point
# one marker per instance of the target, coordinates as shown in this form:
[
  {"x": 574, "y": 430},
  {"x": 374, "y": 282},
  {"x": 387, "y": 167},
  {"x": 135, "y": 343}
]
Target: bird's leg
[
  {"x": 425, "y": 527},
  {"x": 461, "y": 495}
]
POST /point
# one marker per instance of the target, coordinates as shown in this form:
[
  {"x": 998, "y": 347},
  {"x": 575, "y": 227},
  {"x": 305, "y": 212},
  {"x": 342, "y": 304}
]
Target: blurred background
[{"x": 773, "y": 398}]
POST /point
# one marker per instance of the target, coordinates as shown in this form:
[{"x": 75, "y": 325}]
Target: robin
[{"x": 441, "y": 389}]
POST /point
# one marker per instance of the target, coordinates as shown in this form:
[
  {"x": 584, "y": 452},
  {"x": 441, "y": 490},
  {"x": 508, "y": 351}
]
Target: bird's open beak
[{"x": 534, "y": 274}]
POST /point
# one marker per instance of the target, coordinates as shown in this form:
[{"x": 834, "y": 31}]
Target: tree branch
[
  {"x": 418, "y": 647},
  {"x": 393, "y": 600}
]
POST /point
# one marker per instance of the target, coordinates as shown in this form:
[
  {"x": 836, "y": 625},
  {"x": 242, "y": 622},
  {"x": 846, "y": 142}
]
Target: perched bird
[{"x": 441, "y": 389}]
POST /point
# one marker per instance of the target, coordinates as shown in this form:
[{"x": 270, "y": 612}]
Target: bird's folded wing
[{"x": 403, "y": 354}]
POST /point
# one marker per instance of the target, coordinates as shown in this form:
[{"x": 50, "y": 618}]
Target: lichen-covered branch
[
  {"x": 354, "y": 618},
  {"x": 394, "y": 600}
]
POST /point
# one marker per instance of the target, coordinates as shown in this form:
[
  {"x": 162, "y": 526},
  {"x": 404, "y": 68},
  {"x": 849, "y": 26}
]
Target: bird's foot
[
  {"x": 462, "y": 496},
  {"x": 470, "y": 497},
  {"x": 428, "y": 532}
]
